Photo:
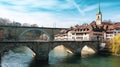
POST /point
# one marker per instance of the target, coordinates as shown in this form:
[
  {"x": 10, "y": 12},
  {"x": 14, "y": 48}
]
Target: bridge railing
[{"x": 46, "y": 40}]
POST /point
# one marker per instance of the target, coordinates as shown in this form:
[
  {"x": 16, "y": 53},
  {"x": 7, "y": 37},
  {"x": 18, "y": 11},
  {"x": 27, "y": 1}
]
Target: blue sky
[{"x": 59, "y": 13}]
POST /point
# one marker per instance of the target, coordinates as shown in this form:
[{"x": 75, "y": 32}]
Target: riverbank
[
  {"x": 116, "y": 55},
  {"x": 107, "y": 52}
]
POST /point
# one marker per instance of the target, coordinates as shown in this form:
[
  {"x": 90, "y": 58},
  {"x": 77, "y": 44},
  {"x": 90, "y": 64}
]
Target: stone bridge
[
  {"x": 18, "y": 32},
  {"x": 42, "y": 49}
]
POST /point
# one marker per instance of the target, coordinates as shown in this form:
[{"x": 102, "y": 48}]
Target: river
[
  {"x": 59, "y": 57},
  {"x": 96, "y": 61}
]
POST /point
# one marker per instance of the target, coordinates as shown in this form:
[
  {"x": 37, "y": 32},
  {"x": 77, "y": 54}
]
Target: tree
[
  {"x": 114, "y": 45},
  {"x": 4, "y": 21},
  {"x": 16, "y": 23}
]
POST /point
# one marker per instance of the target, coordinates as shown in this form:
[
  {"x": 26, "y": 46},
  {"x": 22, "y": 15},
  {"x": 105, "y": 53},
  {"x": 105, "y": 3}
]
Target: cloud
[
  {"x": 116, "y": 18},
  {"x": 68, "y": 22},
  {"x": 17, "y": 12},
  {"x": 90, "y": 8},
  {"x": 77, "y": 6},
  {"x": 27, "y": 5},
  {"x": 41, "y": 18},
  {"x": 63, "y": 13}
]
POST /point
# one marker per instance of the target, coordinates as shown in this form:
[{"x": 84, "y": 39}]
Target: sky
[{"x": 58, "y": 13}]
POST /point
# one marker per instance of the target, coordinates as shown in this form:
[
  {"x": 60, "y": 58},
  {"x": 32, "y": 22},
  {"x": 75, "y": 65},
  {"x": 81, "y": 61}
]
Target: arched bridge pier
[{"x": 42, "y": 49}]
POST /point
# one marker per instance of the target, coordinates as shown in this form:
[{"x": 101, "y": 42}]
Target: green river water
[{"x": 95, "y": 61}]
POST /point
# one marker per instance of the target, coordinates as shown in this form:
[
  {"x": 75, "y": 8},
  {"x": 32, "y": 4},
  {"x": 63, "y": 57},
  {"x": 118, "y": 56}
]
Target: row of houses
[
  {"x": 93, "y": 31},
  {"x": 105, "y": 31}
]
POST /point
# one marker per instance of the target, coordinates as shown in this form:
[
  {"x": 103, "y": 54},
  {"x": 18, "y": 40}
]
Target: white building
[{"x": 84, "y": 32}]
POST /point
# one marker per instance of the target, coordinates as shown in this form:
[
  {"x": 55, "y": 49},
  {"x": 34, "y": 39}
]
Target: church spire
[
  {"x": 99, "y": 15},
  {"x": 99, "y": 11}
]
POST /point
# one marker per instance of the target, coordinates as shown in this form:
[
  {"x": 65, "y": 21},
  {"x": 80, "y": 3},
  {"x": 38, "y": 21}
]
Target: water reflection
[
  {"x": 96, "y": 61},
  {"x": 59, "y": 54},
  {"x": 19, "y": 57},
  {"x": 87, "y": 51}
]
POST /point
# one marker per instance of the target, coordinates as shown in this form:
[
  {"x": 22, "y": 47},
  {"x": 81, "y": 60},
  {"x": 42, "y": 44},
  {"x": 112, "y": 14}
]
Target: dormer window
[
  {"x": 87, "y": 29},
  {"x": 83, "y": 29}
]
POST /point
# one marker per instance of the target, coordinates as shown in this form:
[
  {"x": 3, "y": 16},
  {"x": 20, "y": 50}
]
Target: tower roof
[{"x": 99, "y": 11}]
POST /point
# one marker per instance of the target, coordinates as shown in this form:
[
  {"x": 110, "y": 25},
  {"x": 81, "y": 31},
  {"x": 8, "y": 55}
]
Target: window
[
  {"x": 73, "y": 33},
  {"x": 81, "y": 38},
  {"x": 73, "y": 37},
  {"x": 79, "y": 34},
  {"x": 87, "y": 29},
  {"x": 83, "y": 29},
  {"x": 80, "y": 29},
  {"x": 98, "y": 17}
]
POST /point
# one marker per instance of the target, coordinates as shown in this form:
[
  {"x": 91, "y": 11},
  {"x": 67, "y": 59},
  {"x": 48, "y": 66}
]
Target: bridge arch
[
  {"x": 18, "y": 49},
  {"x": 22, "y": 54},
  {"x": 24, "y": 49},
  {"x": 62, "y": 47},
  {"x": 88, "y": 50},
  {"x": 43, "y": 32},
  {"x": 58, "y": 54}
]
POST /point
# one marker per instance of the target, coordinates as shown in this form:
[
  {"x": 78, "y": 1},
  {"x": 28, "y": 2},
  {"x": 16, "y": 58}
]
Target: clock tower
[{"x": 99, "y": 16}]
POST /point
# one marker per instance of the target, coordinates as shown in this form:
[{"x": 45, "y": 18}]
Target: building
[
  {"x": 96, "y": 30},
  {"x": 117, "y": 28},
  {"x": 63, "y": 35}
]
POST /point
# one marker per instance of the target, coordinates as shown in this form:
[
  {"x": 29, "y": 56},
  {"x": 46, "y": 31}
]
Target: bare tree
[{"x": 4, "y": 21}]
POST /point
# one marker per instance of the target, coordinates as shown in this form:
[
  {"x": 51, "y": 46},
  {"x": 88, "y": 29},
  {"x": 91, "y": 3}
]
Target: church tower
[{"x": 99, "y": 16}]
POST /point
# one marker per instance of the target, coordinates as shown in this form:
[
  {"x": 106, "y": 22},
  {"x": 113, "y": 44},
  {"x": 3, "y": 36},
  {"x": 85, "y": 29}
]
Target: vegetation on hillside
[
  {"x": 114, "y": 45},
  {"x": 7, "y": 22}
]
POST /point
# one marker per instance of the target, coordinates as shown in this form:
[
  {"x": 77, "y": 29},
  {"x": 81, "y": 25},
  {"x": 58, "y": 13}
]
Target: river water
[
  {"x": 59, "y": 57},
  {"x": 96, "y": 61}
]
